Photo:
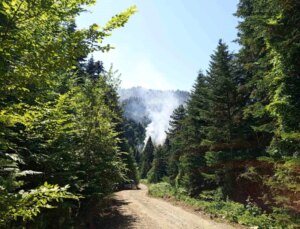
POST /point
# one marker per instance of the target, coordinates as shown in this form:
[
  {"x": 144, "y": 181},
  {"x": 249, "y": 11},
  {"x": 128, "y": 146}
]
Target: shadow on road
[{"x": 113, "y": 217}]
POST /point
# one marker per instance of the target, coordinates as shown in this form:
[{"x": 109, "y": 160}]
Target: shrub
[
  {"x": 213, "y": 202},
  {"x": 162, "y": 190}
]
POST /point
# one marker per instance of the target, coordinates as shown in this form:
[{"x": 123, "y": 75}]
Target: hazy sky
[{"x": 166, "y": 42}]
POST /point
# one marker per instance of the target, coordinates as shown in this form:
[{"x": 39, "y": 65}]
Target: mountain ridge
[{"x": 152, "y": 108}]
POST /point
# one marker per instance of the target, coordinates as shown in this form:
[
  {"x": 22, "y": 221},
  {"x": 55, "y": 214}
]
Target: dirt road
[{"x": 134, "y": 209}]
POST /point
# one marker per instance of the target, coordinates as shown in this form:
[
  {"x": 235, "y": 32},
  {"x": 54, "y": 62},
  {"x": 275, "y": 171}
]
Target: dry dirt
[{"x": 134, "y": 209}]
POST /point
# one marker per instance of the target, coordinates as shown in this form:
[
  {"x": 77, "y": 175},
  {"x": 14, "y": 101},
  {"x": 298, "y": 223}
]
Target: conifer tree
[
  {"x": 270, "y": 55},
  {"x": 191, "y": 161},
  {"x": 159, "y": 165},
  {"x": 197, "y": 108},
  {"x": 224, "y": 126},
  {"x": 94, "y": 69},
  {"x": 222, "y": 97},
  {"x": 147, "y": 158},
  {"x": 174, "y": 141}
]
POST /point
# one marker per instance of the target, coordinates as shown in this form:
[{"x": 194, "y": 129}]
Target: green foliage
[
  {"x": 162, "y": 190},
  {"x": 131, "y": 171},
  {"x": 147, "y": 158},
  {"x": 238, "y": 138},
  {"x": 270, "y": 38},
  {"x": 175, "y": 141},
  {"x": 28, "y": 205},
  {"x": 60, "y": 120},
  {"x": 59, "y": 117},
  {"x": 284, "y": 183},
  {"x": 159, "y": 166},
  {"x": 221, "y": 97},
  {"x": 134, "y": 132},
  {"x": 270, "y": 56},
  {"x": 213, "y": 203}
]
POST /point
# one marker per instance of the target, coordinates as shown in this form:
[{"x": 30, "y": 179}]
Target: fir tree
[
  {"x": 191, "y": 160},
  {"x": 174, "y": 141},
  {"x": 147, "y": 158},
  {"x": 270, "y": 54},
  {"x": 221, "y": 97},
  {"x": 159, "y": 165}
]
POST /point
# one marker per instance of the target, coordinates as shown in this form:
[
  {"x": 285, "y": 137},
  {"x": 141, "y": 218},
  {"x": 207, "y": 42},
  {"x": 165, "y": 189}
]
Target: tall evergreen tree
[
  {"x": 191, "y": 161},
  {"x": 197, "y": 107},
  {"x": 174, "y": 141},
  {"x": 271, "y": 38},
  {"x": 94, "y": 69},
  {"x": 147, "y": 158},
  {"x": 159, "y": 165},
  {"x": 226, "y": 133},
  {"x": 222, "y": 97}
]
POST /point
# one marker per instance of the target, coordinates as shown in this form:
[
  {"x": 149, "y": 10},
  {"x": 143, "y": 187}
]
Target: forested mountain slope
[
  {"x": 69, "y": 137},
  {"x": 152, "y": 108},
  {"x": 234, "y": 149}
]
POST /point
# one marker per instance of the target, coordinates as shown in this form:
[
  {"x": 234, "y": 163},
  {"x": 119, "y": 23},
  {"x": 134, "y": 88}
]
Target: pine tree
[
  {"x": 254, "y": 60},
  {"x": 222, "y": 97},
  {"x": 159, "y": 165},
  {"x": 197, "y": 110},
  {"x": 226, "y": 133},
  {"x": 174, "y": 141},
  {"x": 191, "y": 161},
  {"x": 147, "y": 158},
  {"x": 94, "y": 69},
  {"x": 270, "y": 53}
]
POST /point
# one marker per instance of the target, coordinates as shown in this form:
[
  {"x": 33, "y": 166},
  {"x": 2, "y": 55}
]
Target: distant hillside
[{"x": 152, "y": 108}]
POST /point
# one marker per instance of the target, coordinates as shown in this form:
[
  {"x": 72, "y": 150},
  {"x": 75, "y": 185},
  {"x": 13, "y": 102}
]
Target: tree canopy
[{"x": 58, "y": 135}]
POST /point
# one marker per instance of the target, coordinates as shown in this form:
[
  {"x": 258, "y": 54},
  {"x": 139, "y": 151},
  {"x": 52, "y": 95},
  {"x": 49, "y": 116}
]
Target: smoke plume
[{"x": 154, "y": 105}]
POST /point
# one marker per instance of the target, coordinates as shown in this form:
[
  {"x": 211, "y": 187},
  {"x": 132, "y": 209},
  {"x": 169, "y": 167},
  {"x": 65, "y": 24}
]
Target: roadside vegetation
[
  {"x": 217, "y": 207},
  {"x": 61, "y": 144},
  {"x": 233, "y": 148}
]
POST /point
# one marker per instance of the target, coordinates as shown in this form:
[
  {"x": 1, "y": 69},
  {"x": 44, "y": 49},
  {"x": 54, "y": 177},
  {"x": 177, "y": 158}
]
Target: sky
[{"x": 167, "y": 42}]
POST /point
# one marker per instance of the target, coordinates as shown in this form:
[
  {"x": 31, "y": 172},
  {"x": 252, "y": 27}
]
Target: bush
[
  {"x": 162, "y": 190},
  {"x": 212, "y": 202},
  {"x": 25, "y": 206}
]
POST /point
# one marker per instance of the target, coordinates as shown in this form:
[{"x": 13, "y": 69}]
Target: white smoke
[
  {"x": 160, "y": 109},
  {"x": 157, "y": 105}
]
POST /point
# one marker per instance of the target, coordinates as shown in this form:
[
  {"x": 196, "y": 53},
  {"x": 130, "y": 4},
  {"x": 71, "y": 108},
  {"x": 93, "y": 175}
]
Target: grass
[{"x": 212, "y": 203}]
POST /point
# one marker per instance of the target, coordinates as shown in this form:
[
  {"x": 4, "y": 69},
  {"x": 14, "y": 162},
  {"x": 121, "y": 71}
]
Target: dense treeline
[
  {"x": 61, "y": 141},
  {"x": 238, "y": 137},
  {"x": 64, "y": 143}
]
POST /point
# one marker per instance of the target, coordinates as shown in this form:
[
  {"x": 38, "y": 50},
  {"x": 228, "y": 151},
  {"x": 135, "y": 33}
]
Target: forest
[{"x": 233, "y": 149}]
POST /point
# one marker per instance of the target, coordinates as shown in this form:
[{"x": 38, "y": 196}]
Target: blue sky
[{"x": 166, "y": 43}]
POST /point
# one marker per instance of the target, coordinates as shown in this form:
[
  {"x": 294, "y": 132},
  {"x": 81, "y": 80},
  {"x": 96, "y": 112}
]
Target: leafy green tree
[
  {"x": 135, "y": 134},
  {"x": 53, "y": 129},
  {"x": 254, "y": 59},
  {"x": 28, "y": 204}
]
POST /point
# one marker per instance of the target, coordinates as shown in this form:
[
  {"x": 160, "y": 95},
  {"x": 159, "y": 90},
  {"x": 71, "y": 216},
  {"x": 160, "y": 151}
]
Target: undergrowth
[{"x": 212, "y": 202}]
